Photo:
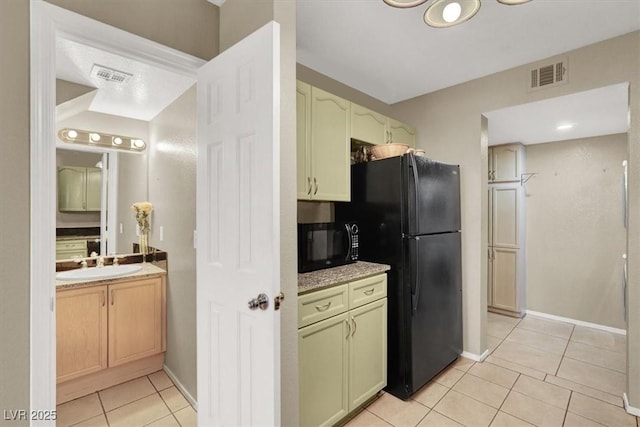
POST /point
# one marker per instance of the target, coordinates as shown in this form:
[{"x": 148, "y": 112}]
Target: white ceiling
[
  {"x": 392, "y": 55},
  {"x": 603, "y": 111},
  {"x": 147, "y": 93}
]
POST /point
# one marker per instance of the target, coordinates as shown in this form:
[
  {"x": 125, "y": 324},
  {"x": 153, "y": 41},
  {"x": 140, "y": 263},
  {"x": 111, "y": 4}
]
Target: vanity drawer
[
  {"x": 320, "y": 305},
  {"x": 365, "y": 290}
]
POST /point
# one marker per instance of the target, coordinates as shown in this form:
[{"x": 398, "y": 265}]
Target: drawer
[
  {"x": 320, "y": 305},
  {"x": 365, "y": 290},
  {"x": 71, "y": 245}
]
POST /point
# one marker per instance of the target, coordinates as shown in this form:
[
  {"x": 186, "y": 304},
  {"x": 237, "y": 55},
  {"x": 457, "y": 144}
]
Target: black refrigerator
[{"x": 408, "y": 210}]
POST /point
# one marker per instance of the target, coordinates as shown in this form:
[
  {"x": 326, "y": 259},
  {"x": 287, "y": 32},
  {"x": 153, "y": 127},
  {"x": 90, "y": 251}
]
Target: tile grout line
[
  {"x": 104, "y": 412},
  {"x": 366, "y": 409}
]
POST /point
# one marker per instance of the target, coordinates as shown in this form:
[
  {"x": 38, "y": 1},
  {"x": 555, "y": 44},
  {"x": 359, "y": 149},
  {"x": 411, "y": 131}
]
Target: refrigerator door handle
[
  {"x": 414, "y": 168},
  {"x": 415, "y": 294}
]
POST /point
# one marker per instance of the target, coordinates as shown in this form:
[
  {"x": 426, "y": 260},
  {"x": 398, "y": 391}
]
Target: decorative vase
[{"x": 143, "y": 243}]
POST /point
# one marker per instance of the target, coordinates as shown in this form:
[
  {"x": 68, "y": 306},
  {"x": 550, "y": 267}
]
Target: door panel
[
  {"x": 238, "y": 243},
  {"x": 367, "y": 125},
  {"x": 505, "y": 275},
  {"x": 505, "y": 214},
  {"x": 506, "y": 163},
  {"x": 303, "y": 140},
  {"x": 434, "y": 204},
  {"x": 436, "y": 322}
]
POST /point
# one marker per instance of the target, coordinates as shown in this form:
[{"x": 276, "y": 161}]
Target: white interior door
[{"x": 238, "y": 249}]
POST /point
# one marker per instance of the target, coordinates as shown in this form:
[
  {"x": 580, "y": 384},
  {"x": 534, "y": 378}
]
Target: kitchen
[{"x": 472, "y": 169}]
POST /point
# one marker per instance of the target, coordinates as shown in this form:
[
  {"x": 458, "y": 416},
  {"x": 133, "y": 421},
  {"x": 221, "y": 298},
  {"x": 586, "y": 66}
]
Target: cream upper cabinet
[
  {"x": 505, "y": 227},
  {"x": 79, "y": 189},
  {"x": 368, "y": 126},
  {"x": 330, "y": 147},
  {"x": 323, "y": 145},
  {"x": 81, "y": 332},
  {"x": 303, "y": 140},
  {"x": 506, "y": 163},
  {"x": 401, "y": 133}
]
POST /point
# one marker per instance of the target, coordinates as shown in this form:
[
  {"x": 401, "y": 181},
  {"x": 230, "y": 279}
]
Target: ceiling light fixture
[
  {"x": 404, "y": 3},
  {"x": 104, "y": 140},
  {"x": 566, "y": 126},
  {"x": 446, "y": 13},
  {"x": 513, "y": 2}
]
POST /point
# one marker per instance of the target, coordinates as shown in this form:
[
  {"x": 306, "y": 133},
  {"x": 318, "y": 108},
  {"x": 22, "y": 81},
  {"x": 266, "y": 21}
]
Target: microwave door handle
[{"x": 349, "y": 241}]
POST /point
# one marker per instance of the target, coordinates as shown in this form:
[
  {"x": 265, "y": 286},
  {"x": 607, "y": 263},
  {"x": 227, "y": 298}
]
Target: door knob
[{"x": 261, "y": 302}]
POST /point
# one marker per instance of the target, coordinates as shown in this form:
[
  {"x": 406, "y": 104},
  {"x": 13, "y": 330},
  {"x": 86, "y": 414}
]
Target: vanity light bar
[{"x": 99, "y": 139}]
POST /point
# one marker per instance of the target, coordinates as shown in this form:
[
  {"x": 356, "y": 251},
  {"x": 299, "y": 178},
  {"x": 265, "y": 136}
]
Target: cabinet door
[
  {"x": 94, "y": 189},
  {"x": 330, "y": 147},
  {"x": 506, "y": 163},
  {"x": 490, "y": 277},
  {"x": 367, "y": 125},
  {"x": 505, "y": 213},
  {"x": 505, "y": 279},
  {"x": 81, "y": 332},
  {"x": 323, "y": 353},
  {"x": 401, "y": 133},
  {"x": 71, "y": 189},
  {"x": 135, "y": 320},
  {"x": 367, "y": 352},
  {"x": 303, "y": 140}
]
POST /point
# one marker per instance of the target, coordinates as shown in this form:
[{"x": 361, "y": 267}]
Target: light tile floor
[
  {"x": 152, "y": 400},
  {"x": 539, "y": 372}
]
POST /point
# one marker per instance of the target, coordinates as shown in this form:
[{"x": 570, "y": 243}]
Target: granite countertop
[
  {"x": 328, "y": 277},
  {"x": 148, "y": 270},
  {"x": 63, "y": 238}
]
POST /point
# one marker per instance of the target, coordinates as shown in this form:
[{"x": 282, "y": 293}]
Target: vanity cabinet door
[
  {"x": 72, "y": 187},
  {"x": 94, "y": 189},
  {"x": 81, "y": 332},
  {"x": 135, "y": 320}
]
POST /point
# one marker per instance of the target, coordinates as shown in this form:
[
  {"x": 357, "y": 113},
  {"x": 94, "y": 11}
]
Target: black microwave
[{"x": 324, "y": 245}]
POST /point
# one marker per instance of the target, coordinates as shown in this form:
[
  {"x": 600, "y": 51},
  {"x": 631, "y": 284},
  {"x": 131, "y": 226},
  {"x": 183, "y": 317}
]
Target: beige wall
[
  {"x": 187, "y": 25},
  {"x": 323, "y": 82},
  {"x": 172, "y": 190},
  {"x": 575, "y": 231},
  {"x": 66, "y": 91},
  {"x": 239, "y": 18},
  {"x": 449, "y": 129},
  {"x": 14, "y": 206}
]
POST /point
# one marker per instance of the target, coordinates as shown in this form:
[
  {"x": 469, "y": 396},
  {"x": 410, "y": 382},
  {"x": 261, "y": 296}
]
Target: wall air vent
[
  {"x": 110, "y": 74},
  {"x": 548, "y": 75}
]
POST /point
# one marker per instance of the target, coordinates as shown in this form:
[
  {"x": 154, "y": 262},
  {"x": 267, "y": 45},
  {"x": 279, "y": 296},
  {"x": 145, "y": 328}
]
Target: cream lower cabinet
[
  {"x": 342, "y": 358},
  {"x": 102, "y": 327}
]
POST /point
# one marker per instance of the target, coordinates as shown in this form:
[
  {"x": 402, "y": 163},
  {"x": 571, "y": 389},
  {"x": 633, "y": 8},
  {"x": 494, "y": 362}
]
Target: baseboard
[
  {"x": 475, "y": 357},
  {"x": 180, "y": 387},
  {"x": 630, "y": 409},
  {"x": 577, "y": 322}
]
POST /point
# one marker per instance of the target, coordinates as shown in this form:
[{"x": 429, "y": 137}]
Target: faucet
[
  {"x": 116, "y": 261},
  {"x": 100, "y": 262},
  {"x": 81, "y": 261}
]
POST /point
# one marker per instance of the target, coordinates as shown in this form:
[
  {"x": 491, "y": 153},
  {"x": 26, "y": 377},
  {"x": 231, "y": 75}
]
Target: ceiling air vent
[
  {"x": 550, "y": 74},
  {"x": 110, "y": 74}
]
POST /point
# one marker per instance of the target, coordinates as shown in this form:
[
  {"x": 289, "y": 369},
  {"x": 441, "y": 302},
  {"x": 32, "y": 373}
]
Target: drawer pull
[
  {"x": 355, "y": 326},
  {"x": 348, "y": 328},
  {"x": 323, "y": 307},
  {"x": 369, "y": 292},
  {"x": 112, "y": 298},
  {"x": 103, "y": 298}
]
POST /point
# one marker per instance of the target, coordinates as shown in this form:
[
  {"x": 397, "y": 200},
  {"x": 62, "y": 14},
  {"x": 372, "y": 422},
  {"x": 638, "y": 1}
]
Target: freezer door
[
  {"x": 432, "y": 197},
  {"x": 436, "y": 304}
]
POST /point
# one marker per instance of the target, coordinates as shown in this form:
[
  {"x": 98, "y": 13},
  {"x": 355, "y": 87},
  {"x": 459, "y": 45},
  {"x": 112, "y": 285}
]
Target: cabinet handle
[
  {"x": 103, "y": 298},
  {"x": 355, "y": 326},
  {"x": 369, "y": 292},
  {"x": 348, "y": 327},
  {"x": 323, "y": 307},
  {"x": 316, "y": 184},
  {"x": 112, "y": 299},
  {"x": 310, "y": 186}
]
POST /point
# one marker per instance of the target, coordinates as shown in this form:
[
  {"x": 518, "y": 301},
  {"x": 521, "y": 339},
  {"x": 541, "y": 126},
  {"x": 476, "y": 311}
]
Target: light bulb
[
  {"x": 72, "y": 134},
  {"x": 451, "y": 12},
  {"x": 94, "y": 137},
  {"x": 138, "y": 143},
  {"x": 117, "y": 140}
]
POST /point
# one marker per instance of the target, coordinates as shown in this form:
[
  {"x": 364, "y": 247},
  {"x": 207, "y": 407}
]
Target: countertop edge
[
  {"x": 336, "y": 276},
  {"x": 148, "y": 270}
]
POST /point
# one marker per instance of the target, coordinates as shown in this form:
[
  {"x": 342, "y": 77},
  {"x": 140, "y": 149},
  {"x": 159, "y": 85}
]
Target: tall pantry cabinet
[{"x": 506, "y": 220}]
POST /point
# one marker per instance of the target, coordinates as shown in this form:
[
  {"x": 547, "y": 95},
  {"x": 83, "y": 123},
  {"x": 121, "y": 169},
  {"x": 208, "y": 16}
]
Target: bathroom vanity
[{"x": 109, "y": 331}]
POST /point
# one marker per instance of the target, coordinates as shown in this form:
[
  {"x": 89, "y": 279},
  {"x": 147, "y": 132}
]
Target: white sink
[{"x": 95, "y": 273}]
